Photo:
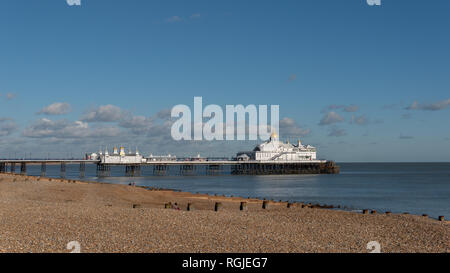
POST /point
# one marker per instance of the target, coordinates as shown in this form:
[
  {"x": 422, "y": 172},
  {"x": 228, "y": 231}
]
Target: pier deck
[{"x": 185, "y": 166}]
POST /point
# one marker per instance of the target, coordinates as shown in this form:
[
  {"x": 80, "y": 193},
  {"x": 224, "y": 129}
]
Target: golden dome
[{"x": 274, "y": 135}]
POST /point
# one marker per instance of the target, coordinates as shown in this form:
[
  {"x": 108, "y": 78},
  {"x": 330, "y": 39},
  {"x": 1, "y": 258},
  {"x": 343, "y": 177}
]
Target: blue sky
[{"x": 360, "y": 82}]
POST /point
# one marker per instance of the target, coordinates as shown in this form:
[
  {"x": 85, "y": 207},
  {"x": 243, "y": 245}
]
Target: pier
[
  {"x": 9, "y": 166},
  {"x": 185, "y": 167}
]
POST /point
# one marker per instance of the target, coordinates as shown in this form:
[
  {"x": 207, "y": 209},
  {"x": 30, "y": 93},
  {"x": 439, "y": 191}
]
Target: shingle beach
[{"x": 39, "y": 215}]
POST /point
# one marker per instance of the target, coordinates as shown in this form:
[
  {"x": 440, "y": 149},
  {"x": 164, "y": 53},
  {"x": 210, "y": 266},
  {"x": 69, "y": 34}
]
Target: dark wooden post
[{"x": 217, "y": 206}]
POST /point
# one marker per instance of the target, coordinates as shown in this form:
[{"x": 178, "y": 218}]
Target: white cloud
[
  {"x": 351, "y": 108},
  {"x": 289, "y": 128},
  {"x": 64, "y": 129},
  {"x": 337, "y": 132},
  {"x": 440, "y": 105},
  {"x": 331, "y": 118},
  {"x": 10, "y": 96},
  {"x": 137, "y": 124},
  {"x": 7, "y": 126},
  {"x": 359, "y": 120},
  {"x": 57, "y": 108},
  {"x": 104, "y": 113},
  {"x": 346, "y": 108},
  {"x": 164, "y": 114},
  {"x": 174, "y": 19},
  {"x": 73, "y": 2}
]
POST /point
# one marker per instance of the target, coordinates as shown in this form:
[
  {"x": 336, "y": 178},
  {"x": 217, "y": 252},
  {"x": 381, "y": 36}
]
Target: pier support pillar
[
  {"x": 82, "y": 169},
  {"x": 213, "y": 169},
  {"x": 133, "y": 170},
  {"x": 13, "y": 168},
  {"x": 187, "y": 169},
  {"x": 43, "y": 169},
  {"x": 103, "y": 170},
  {"x": 2, "y": 167},
  {"x": 160, "y": 170},
  {"x": 23, "y": 168},
  {"x": 63, "y": 170}
]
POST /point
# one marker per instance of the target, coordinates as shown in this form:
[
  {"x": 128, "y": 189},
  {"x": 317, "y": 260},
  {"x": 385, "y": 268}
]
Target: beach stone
[{"x": 100, "y": 217}]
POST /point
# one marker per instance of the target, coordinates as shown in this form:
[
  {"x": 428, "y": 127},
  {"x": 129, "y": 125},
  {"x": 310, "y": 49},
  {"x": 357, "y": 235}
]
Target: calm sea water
[{"x": 416, "y": 188}]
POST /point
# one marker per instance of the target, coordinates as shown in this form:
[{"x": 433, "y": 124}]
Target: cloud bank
[{"x": 440, "y": 105}]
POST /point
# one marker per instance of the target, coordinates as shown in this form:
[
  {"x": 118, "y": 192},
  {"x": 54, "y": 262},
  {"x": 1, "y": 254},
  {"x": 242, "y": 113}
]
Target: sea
[{"x": 416, "y": 188}]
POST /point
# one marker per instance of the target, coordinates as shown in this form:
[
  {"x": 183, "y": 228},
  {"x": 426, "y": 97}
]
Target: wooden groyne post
[{"x": 243, "y": 206}]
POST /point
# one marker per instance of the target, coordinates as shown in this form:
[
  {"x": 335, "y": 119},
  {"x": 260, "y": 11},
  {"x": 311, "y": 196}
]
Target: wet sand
[{"x": 43, "y": 215}]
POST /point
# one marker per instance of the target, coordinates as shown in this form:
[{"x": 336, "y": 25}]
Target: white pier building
[
  {"x": 119, "y": 157},
  {"x": 275, "y": 150}
]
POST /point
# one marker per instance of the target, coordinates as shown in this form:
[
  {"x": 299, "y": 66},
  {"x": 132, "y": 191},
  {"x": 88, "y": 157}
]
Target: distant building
[
  {"x": 168, "y": 157},
  {"x": 119, "y": 157},
  {"x": 275, "y": 150}
]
